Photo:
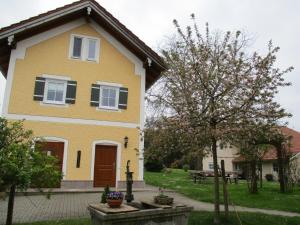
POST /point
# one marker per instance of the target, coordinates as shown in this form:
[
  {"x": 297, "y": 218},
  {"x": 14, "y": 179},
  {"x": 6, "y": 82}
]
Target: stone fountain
[{"x": 139, "y": 213}]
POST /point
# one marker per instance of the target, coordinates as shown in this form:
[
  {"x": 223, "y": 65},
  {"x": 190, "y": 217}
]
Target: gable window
[
  {"x": 108, "y": 97},
  {"x": 77, "y": 47},
  {"x": 92, "y": 43},
  {"x": 84, "y": 48}
]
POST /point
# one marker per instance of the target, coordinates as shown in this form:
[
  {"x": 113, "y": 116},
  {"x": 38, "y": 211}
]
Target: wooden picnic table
[{"x": 200, "y": 175}]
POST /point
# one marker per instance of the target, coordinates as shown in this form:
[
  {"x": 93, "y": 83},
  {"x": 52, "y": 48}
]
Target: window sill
[
  {"x": 84, "y": 60},
  {"x": 60, "y": 105},
  {"x": 108, "y": 109}
]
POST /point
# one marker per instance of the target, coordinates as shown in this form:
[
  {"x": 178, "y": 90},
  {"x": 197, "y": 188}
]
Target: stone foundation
[
  {"x": 136, "y": 184},
  {"x": 89, "y": 184},
  {"x": 77, "y": 184}
]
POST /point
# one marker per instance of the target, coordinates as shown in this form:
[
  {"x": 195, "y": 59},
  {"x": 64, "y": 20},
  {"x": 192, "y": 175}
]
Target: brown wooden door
[
  {"x": 55, "y": 149},
  {"x": 105, "y": 166}
]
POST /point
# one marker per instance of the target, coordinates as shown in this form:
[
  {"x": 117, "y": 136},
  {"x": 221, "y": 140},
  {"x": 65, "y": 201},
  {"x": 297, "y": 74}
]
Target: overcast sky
[{"x": 278, "y": 20}]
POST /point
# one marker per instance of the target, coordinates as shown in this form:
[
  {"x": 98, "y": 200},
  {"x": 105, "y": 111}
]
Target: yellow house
[{"x": 78, "y": 78}]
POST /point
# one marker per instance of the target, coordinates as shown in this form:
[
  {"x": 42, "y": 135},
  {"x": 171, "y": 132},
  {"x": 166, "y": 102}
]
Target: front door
[
  {"x": 105, "y": 166},
  {"x": 55, "y": 149}
]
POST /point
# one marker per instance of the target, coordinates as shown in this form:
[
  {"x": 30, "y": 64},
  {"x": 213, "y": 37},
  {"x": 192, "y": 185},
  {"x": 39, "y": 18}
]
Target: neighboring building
[
  {"x": 269, "y": 164},
  {"x": 225, "y": 152},
  {"x": 234, "y": 163},
  {"x": 78, "y": 78}
]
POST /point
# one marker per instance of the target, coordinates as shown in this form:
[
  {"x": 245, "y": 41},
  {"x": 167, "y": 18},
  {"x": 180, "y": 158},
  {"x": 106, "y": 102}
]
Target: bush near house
[{"x": 269, "y": 177}]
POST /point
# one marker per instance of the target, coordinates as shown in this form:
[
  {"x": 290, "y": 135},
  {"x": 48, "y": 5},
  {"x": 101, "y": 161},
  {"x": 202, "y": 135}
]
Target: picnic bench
[{"x": 201, "y": 175}]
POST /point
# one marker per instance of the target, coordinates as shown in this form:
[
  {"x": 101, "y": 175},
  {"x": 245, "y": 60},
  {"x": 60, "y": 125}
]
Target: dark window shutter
[
  {"x": 39, "y": 89},
  {"x": 95, "y": 94},
  {"x": 71, "y": 92},
  {"x": 123, "y": 97}
]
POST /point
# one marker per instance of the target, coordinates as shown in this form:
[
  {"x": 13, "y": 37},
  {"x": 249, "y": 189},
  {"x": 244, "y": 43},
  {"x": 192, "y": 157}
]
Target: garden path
[{"x": 74, "y": 205}]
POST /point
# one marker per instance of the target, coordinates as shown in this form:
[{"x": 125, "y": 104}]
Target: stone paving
[{"x": 74, "y": 205}]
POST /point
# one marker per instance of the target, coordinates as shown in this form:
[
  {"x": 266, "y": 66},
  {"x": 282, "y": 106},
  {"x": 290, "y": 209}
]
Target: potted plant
[
  {"x": 114, "y": 199},
  {"x": 104, "y": 194},
  {"x": 163, "y": 199}
]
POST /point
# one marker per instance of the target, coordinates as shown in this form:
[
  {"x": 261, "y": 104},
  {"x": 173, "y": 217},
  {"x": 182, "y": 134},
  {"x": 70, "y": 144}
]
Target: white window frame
[
  {"x": 63, "y": 102},
  {"x": 209, "y": 164},
  {"x": 117, "y": 88},
  {"x": 84, "y": 48},
  {"x": 72, "y": 47}
]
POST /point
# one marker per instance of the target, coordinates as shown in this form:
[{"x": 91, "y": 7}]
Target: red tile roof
[{"x": 271, "y": 154}]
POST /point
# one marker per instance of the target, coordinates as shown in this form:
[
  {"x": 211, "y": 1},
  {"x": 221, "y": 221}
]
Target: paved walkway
[{"x": 73, "y": 205}]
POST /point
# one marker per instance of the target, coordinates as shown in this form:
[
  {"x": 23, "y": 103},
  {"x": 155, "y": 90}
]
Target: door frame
[
  {"x": 118, "y": 159},
  {"x": 66, "y": 143}
]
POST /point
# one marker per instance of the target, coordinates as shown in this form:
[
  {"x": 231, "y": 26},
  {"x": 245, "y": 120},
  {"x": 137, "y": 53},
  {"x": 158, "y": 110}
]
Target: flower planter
[
  {"x": 114, "y": 203},
  {"x": 163, "y": 200}
]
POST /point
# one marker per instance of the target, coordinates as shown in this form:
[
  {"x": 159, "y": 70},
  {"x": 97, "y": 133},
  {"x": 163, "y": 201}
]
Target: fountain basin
[{"x": 141, "y": 214}]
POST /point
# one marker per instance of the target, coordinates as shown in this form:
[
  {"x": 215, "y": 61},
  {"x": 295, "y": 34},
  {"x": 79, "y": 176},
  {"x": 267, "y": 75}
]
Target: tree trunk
[
  {"x": 216, "y": 182},
  {"x": 225, "y": 192},
  {"x": 260, "y": 174},
  {"x": 10, "y": 207},
  {"x": 253, "y": 185},
  {"x": 281, "y": 173}
]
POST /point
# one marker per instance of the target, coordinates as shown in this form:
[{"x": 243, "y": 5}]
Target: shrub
[
  {"x": 175, "y": 164},
  {"x": 154, "y": 165},
  {"x": 167, "y": 170},
  {"x": 269, "y": 177},
  {"x": 186, "y": 167}
]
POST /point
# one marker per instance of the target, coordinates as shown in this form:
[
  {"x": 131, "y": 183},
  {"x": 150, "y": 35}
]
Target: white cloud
[{"x": 278, "y": 20}]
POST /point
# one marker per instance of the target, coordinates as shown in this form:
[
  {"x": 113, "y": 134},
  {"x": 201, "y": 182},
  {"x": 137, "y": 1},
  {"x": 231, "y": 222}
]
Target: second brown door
[{"x": 105, "y": 166}]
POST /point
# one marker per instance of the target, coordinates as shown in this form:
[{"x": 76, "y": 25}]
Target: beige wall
[
  {"x": 52, "y": 57},
  {"x": 81, "y": 137},
  {"x": 227, "y": 154}
]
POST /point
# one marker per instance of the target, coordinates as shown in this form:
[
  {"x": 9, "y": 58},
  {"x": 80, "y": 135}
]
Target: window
[
  {"x": 275, "y": 167},
  {"x": 55, "y": 91},
  {"x": 77, "y": 47},
  {"x": 92, "y": 49},
  {"x": 84, "y": 48},
  {"x": 210, "y": 166},
  {"x": 109, "y": 97}
]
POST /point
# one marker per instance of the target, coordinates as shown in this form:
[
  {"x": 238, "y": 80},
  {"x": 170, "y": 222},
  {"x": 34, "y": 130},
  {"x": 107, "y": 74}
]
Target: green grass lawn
[
  {"x": 203, "y": 218},
  {"x": 268, "y": 198}
]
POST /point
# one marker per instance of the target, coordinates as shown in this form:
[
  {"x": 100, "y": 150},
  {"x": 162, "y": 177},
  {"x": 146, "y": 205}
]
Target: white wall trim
[
  {"x": 43, "y": 19},
  {"x": 118, "y": 160},
  {"x": 141, "y": 131},
  {"x": 56, "y": 77},
  {"x": 109, "y": 84},
  {"x": 54, "y": 105},
  {"x": 20, "y": 51},
  {"x": 70, "y": 120},
  {"x": 66, "y": 145},
  {"x": 139, "y": 69}
]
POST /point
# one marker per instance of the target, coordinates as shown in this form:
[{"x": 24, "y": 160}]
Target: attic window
[
  {"x": 77, "y": 47},
  {"x": 85, "y": 48}
]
